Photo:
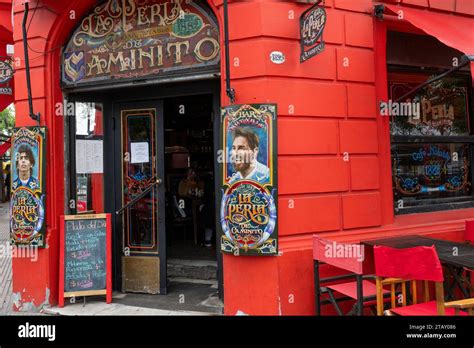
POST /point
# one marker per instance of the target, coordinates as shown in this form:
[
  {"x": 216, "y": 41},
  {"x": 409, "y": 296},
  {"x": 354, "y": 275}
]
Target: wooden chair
[{"x": 408, "y": 267}]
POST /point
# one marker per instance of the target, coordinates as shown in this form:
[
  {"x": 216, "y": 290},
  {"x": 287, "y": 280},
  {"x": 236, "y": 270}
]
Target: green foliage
[{"x": 7, "y": 120}]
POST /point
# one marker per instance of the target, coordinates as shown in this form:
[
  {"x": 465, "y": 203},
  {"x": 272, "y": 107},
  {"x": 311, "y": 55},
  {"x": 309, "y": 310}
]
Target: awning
[
  {"x": 453, "y": 30},
  {"x": 4, "y": 148}
]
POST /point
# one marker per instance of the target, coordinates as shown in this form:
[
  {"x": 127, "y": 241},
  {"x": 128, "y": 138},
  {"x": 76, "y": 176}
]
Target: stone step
[{"x": 193, "y": 269}]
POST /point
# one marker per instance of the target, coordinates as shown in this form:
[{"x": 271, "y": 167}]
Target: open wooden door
[{"x": 141, "y": 217}]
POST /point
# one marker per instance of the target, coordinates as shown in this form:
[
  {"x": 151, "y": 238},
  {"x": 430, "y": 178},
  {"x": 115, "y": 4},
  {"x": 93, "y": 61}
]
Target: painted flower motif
[
  {"x": 409, "y": 183},
  {"x": 455, "y": 181}
]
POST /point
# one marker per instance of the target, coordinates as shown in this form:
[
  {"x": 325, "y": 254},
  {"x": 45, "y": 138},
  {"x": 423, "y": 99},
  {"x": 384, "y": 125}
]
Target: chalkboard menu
[{"x": 85, "y": 255}]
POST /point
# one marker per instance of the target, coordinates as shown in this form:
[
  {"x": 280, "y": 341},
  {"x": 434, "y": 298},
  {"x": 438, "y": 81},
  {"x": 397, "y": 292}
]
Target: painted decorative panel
[{"x": 133, "y": 39}]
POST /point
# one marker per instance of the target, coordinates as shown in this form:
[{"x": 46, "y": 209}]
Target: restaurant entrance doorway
[
  {"x": 190, "y": 193},
  {"x": 159, "y": 182}
]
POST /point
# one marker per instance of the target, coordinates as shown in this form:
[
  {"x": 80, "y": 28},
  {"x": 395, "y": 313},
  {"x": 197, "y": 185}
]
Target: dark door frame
[
  {"x": 160, "y": 214},
  {"x": 142, "y": 94}
]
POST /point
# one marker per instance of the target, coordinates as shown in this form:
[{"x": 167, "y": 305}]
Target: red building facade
[
  {"x": 334, "y": 148},
  {"x": 6, "y": 38}
]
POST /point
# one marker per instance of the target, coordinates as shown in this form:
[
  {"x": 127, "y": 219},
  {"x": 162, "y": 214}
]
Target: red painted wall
[
  {"x": 52, "y": 24},
  {"x": 6, "y": 38},
  {"x": 6, "y": 30},
  {"x": 327, "y": 107}
]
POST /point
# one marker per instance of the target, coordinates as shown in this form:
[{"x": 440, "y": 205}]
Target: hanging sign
[
  {"x": 6, "y": 74},
  {"x": 129, "y": 39},
  {"x": 27, "y": 207},
  {"x": 248, "y": 211},
  {"x": 312, "y": 24}
]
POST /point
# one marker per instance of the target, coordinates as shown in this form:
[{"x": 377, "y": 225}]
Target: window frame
[
  {"x": 70, "y": 163},
  {"x": 445, "y": 204}
]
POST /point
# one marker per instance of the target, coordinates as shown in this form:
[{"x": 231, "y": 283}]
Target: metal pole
[
  {"x": 34, "y": 116},
  {"x": 229, "y": 90},
  {"x": 360, "y": 295},
  {"x": 140, "y": 196},
  {"x": 317, "y": 289}
]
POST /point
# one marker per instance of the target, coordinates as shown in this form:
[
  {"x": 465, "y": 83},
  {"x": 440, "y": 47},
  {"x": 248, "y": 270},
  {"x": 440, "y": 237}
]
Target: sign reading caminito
[
  {"x": 312, "y": 24},
  {"x": 128, "y": 39}
]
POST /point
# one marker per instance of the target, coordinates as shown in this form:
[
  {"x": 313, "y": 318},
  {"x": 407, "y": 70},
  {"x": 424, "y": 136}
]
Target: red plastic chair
[
  {"x": 409, "y": 265},
  {"x": 360, "y": 289}
]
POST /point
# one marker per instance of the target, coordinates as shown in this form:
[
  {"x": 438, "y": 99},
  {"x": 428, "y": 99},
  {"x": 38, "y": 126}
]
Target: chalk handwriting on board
[{"x": 85, "y": 255}]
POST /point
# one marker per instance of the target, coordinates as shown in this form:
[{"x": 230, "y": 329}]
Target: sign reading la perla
[
  {"x": 27, "y": 206},
  {"x": 128, "y": 39},
  {"x": 248, "y": 210},
  {"x": 312, "y": 24}
]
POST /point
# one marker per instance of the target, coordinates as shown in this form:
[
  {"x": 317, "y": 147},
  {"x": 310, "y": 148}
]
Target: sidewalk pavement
[
  {"x": 92, "y": 307},
  {"x": 6, "y": 298},
  {"x": 104, "y": 309}
]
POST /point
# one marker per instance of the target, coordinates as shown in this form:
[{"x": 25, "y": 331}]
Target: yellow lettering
[
  {"x": 150, "y": 56},
  {"x": 128, "y": 9},
  {"x": 113, "y": 61},
  {"x": 97, "y": 64},
  {"x": 142, "y": 17},
  {"x": 177, "y": 46},
  {"x": 101, "y": 26},
  {"x": 155, "y": 12},
  {"x": 246, "y": 210},
  {"x": 176, "y": 10},
  {"x": 160, "y": 55},
  {"x": 245, "y": 198},
  {"x": 215, "y": 49},
  {"x": 133, "y": 61}
]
